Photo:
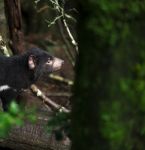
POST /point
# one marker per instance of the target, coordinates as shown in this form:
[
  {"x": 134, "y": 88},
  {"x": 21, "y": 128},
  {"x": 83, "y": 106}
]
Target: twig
[
  {"x": 61, "y": 10},
  {"x": 67, "y": 49},
  {"x": 56, "y": 5},
  {"x": 70, "y": 35},
  {"x": 50, "y": 23},
  {"x": 59, "y": 78},
  {"x": 48, "y": 101},
  {"x": 70, "y": 17}
]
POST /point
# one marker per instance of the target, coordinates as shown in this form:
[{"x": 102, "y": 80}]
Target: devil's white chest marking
[{"x": 4, "y": 87}]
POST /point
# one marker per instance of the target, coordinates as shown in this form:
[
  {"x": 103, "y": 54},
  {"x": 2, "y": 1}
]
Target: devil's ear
[{"x": 32, "y": 62}]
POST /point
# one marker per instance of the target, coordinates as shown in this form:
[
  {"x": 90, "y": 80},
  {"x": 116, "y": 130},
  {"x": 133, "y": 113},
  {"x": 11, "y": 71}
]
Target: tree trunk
[
  {"x": 90, "y": 88},
  {"x": 14, "y": 20}
]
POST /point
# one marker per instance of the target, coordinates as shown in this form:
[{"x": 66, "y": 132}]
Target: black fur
[{"x": 15, "y": 72}]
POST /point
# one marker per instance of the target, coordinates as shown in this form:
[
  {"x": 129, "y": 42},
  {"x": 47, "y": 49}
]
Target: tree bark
[{"x": 14, "y": 20}]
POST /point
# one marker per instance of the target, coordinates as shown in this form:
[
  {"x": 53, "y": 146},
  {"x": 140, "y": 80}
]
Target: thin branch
[
  {"x": 50, "y": 23},
  {"x": 70, "y": 35},
  {"x": 56, "y": 5},
  {"x": 61, "y": 10},
  {"x": 48, "y": 101},
  {"x": 70, "y": 17},
  {"x": 61, "y": 79},
  {"x": 67, "y": 49}
]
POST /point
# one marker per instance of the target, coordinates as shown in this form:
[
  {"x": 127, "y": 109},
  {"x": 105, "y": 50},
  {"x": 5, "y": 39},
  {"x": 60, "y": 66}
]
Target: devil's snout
[{"x": 57, "y": 63}]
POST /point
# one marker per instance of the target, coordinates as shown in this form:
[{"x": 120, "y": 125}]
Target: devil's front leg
[{"x": 7, "y": 97}]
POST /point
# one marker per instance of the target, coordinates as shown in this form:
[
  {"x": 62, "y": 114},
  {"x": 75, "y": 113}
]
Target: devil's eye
[{"x": 48, "y": 60}]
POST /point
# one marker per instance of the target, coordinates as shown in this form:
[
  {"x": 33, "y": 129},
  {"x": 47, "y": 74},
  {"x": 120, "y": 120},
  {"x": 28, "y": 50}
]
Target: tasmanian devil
[{"x": 20, "y": 71}]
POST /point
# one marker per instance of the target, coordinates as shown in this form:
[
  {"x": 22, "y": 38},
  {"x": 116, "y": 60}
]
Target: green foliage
[
  {"x": 117, "y": 25},
  {"x": 14, "y": 117}
]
